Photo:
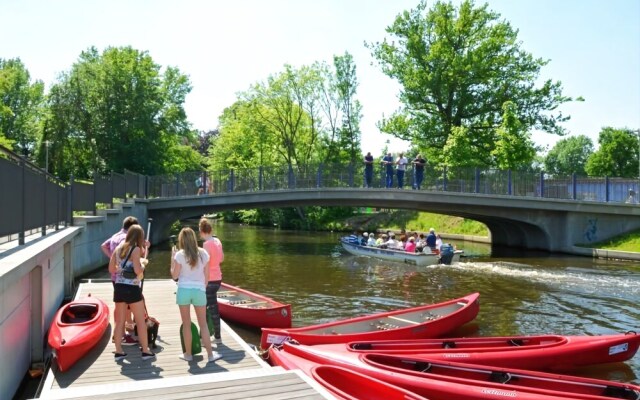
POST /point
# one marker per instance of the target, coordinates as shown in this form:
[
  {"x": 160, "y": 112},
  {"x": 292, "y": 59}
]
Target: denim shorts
[{"x": 187, "y": 296}]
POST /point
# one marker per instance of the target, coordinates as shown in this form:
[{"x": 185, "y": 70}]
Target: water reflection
[{"x": 521, "y": 293}]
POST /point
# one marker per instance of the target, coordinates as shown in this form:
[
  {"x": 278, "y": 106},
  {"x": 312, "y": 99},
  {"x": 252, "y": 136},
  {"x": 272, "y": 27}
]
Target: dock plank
[{"x": 98, "y": 372}]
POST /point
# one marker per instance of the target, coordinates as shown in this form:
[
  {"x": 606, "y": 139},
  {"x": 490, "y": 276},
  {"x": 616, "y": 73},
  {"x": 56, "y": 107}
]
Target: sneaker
[
  {"x": 215, "y": 356},
  {"x": 119, "y": 356},
  {"x": 217, "y": 341},
  {"x": 147, "y": 356},
  {"x": 128, "y": 340},
  {"x": 186, "y": 357}
]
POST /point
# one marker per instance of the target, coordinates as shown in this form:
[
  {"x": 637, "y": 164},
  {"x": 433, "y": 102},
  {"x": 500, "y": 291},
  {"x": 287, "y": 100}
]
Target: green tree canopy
[
  {"x": 116, "y": 110},
  {"x": 569, "y": 156},
  {"x": 457, "y": 68},
  {"x": 617, "y": 155},
  {"x": 20, "y": 107}
]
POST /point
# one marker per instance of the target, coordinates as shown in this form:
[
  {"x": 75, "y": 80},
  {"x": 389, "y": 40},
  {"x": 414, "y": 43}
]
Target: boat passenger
[
  {"x": 392, "y": 243},
  {"x": 382, "y": 241},
  {"x": 353, "y": 238},
  {"x": 372, "y": 240},
  {"x": 364, "y": 238},
  {"x": 438, "y": 242},
  {"x": 410, "y": 247},
  {"x": 421, "y": 243},
  {"x": 431, "y": 239}
]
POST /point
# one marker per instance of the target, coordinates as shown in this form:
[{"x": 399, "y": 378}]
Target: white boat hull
[{"x": 419, "y": 259}]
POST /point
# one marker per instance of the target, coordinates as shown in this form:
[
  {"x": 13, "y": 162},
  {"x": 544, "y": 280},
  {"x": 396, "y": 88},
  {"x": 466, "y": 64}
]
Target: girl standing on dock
[
  {"x": 189, "y": 266},
  {"x": 213, "y": 247},
  {"x": 125, "y": 264}
]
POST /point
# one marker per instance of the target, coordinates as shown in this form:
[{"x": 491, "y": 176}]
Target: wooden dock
[{"x": 240, "y": 374}]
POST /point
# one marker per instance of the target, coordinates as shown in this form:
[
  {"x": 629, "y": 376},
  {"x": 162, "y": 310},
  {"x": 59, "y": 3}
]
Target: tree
[
  {"x": 346, "y": 87},
  {"x": 115, "y": 110},
  {"x": 288, "y": 104},
  {"x": 514, "y": 149},
  {"x": 569, "y": 156},
  {"x": 457, "y": 68},
  {"x": 20, "y": 107},
  {"x": 617, "y": 155}
]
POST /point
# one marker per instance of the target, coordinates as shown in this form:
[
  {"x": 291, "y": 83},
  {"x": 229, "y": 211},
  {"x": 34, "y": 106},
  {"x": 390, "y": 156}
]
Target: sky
[{"x": 593, "y": 48}]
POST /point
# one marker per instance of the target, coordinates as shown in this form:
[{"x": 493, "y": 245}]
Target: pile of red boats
[{"x": 397, "y": 355}]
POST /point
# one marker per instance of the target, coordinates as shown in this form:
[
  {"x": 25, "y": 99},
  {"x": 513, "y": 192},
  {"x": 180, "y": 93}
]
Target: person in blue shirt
[
  {"x": 387, "y": 162},
  {"x": 431, "y": 239}
]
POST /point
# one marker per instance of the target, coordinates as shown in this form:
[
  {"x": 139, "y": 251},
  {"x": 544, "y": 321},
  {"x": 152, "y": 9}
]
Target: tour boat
[
  {"x": 442, "y": 380},
  {"x": 427, "y": 321},
  {"x": 76, "y": 328},
  {"x": 341, "y": 382},
  {"x": 545, "y": 352},
  {"x": 419, "y": 259},
  {"x": 248, "y": 308}
]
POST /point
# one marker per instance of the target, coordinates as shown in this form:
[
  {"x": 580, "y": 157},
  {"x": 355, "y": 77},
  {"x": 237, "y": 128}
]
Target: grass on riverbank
[
  {"x": 417, "y": 221},
  {"x": 627, "y": 242}
]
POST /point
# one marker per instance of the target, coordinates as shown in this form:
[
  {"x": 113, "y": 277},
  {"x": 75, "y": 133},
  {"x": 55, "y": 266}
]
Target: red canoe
[
  {"x": 411, "y": 323},
  {"x": 549, "y": 352},
  {"x": 248, "y": 308},
  {"x": 341, "y": 382},
  {"x": 440, "y": 380},
  {"x": 76, "y": 328}
]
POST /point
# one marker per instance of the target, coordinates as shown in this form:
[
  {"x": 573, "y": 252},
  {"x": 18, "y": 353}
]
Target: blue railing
[
  {"x": 456, "y": 180},
  {"x": 33, "y": 199}
]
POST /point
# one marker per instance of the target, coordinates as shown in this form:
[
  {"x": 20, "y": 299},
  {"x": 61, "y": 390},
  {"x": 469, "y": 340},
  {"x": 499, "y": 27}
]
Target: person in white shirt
[
  {"x": 372, "y": 240},
  {"x": 438, "y": 242},
  {"x": 190, "y": 266},
  {"x": 401, "y": 162}
]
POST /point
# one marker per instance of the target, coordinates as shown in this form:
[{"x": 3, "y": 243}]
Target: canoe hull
[
  {"x": 76, "y": 328},
  {"x": 439, "y": 380},
  {"x": 544, "y": 353},
  {"x": 427, "y": 321},
  {"x": 251, "y": 309},
  {"x": 341, "y": 382},
  {"x": 399, "y": 256}
]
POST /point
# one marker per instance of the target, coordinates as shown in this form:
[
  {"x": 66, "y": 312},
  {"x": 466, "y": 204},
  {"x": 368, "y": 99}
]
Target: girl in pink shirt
[
  {"x": 410, "y": 247},
  {"x": 213, "y": 246}
]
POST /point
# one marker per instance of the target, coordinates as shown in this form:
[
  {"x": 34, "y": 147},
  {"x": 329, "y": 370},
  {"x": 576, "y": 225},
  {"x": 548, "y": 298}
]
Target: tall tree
[
  {"x": 346, "y": 87},
  {"x": 457, "y": 68},
  {"x": 569, "y": 156},
  {"x": 20, "y": 107},
  {"x": 287, "y": 103},
  {"x": 115, "y": 110},
  {"x": 617, "y": 155}
]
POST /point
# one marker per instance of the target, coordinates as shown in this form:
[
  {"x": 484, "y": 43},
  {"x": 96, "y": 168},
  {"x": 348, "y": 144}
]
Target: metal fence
[{"x": 32, "y": 199}]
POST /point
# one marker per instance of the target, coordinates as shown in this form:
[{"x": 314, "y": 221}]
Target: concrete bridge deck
[{"x": 240, "y": 374}]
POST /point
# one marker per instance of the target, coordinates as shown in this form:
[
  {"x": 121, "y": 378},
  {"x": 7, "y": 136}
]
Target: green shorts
[{"x": 187, "y": 296}]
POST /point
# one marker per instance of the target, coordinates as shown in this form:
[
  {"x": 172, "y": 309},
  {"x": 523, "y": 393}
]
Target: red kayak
[
  {"x": 341, "y": 382},
  {"x": 440, "y": 380},
  {"x": 248, "y": 308},
  {"x": 411, "y": 323},
  {"x": 548, "y": 352},
  {"x": 76, "y": 328}
]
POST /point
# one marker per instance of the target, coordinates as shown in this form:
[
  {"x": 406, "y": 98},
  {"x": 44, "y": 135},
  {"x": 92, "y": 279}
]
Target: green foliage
[
  {"x": 116, "y": 111},
  {"x": 617, "y": 154},
  {"x": 569, "y": 156},
  {"x": 20, "y": 107},
  {"x": 457, "y": 68},
  {"x": 627, "y": 242},
  {"x": 423, "y": 221},
  {"x": 514, "y": 149}
]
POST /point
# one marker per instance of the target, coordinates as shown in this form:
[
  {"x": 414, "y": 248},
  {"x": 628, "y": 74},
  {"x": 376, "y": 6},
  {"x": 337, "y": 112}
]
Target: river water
[{"x": 520, "y": 293}]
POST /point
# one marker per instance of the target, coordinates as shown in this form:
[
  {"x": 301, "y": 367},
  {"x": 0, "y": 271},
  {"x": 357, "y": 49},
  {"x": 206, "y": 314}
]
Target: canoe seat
[
  {"x": 617, "y": 392},
  {"x": 77, "y": 313},
  {"x": 403, "y": 320},
  {"x": 500, "y": 377}
]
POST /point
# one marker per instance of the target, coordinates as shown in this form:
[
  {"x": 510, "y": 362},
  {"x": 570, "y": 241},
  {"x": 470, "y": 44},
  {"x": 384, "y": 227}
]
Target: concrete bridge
[{"x": 524, "y": 222}]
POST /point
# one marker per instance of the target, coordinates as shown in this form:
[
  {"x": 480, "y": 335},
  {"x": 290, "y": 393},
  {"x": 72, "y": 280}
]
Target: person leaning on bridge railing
[
  {"x": 632, "y": 197},
  {"x": 368, "y": 170}
]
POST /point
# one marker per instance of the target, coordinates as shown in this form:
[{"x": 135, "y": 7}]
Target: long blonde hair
[
  {"x": 189, "y": 244},
  {"x": 135, "y": 237}
]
